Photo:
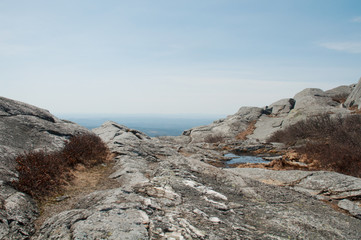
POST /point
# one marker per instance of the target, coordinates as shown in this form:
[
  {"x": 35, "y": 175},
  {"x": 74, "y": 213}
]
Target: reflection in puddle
[{"x": 243, "y": 159}]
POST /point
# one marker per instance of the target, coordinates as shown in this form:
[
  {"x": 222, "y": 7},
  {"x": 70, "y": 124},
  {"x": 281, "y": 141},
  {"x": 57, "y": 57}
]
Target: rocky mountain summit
[
  {"x": 171, "y": 187},
  {"x": 166, "y": 195}
]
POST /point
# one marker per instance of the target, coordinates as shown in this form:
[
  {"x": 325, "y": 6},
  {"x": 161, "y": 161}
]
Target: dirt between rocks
[{"x": 86, "y": 180}]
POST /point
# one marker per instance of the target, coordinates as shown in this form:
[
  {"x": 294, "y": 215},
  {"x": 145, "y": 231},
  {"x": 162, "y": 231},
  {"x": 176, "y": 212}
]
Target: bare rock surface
[
  {"x": 266, "y": 126},
  {"x": 229, "y": 127},
  {"x": 341, "y": 92},
  {"x": 321, "y": 184},
  {"x": 313, "y": 97},
  {"x": 283, "y": 106},
  {"x": 352, "y": 207},
  {"x": 354, "y": 99},
  {"x": 24, "y": 127},
  {"x": 166, "y": 195}
]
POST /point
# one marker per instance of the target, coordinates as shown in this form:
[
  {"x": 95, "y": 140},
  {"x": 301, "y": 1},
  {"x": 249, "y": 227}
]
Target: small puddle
[{"x": 243, "y": 159}]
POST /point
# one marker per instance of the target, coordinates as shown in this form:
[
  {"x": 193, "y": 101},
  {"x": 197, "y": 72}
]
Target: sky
[{"x": 174, "y": 57}]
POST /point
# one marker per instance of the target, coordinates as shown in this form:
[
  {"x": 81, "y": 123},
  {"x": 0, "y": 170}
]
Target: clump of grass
[
  {"x": 335, "y": 142},
  {"x": 43, "y": 174}
]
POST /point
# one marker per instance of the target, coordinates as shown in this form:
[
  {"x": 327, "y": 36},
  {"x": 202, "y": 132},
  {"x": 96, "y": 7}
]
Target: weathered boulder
[
  {"x": 313, "y": 99},
  {"x": 24, "y": 127},
  {"x": 341, "y": 92},
  {"x": 283, "y": 106},
  {"x": 265, "y": 127},
  {"x": 9, "y": 107},
  {"x": 114, "y": 132},
  {"x": 227, "y": 128},
  {"x": 354, "y": 99},
  {"x": 285, "y": 112}
]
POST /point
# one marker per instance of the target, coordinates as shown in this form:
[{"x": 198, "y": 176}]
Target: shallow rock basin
[{"x": 236, "y": 159}]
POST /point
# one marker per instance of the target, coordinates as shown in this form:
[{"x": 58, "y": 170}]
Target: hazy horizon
[
  {"x": 151, "y": 124},
  {"x": 172, "y": 57}
]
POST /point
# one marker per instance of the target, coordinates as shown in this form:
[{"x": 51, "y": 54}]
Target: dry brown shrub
[
  {"x": 335, "y": 157},
  {"x": 40, "y": 173},
  {"x": 44, "y": 174},
  {"x": 86, "y": 149},
  {"x": 312, "y": 128},
  {"x": 250, "y": 129},
  {"x": 334, "y": 142}
]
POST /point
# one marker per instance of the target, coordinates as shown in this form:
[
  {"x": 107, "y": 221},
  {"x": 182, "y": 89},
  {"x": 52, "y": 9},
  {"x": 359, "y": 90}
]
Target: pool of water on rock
[{"x": 243, "y": 159}]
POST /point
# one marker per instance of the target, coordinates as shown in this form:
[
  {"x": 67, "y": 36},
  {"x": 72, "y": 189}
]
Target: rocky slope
[
  {"x": 166, "y": 195},
  {"x": 24, "y": 127},
  {"x": 166, "y": 188},
  {"x": 310, "y": 101}
]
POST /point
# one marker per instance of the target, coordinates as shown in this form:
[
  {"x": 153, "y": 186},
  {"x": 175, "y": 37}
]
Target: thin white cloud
[
  {"x": 356, "y": 19},
  {"x": 350, "y": 47}
]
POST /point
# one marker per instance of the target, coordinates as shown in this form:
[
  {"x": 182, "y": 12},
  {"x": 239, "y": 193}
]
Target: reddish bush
[
  {"x": 335, "y": 157},
  {"x": 334, "y": 141},
  {"x": 42, "y": 174},
  {"x": 312, "y": 128},
  {"x": 87, "y": 149}
]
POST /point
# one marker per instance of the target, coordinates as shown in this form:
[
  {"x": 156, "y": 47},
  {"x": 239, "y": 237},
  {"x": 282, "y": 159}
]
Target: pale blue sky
[{"x": 205, "y": 56}]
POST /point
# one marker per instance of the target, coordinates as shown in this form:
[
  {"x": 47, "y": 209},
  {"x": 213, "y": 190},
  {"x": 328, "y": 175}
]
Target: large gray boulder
[
  {"x": 313, "y": 99},
  {"x": 283, "y": 106},
  {"x": 227, "y": 128},
  {"x": 24, "y": 127},
  {"x": 354, "y": 99},
  {"x": 308, "y": 102},
  {"x": 341, "y": 92},
  {"x": 266, "y": 126},
  {"x": 272, "y": 119}
]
